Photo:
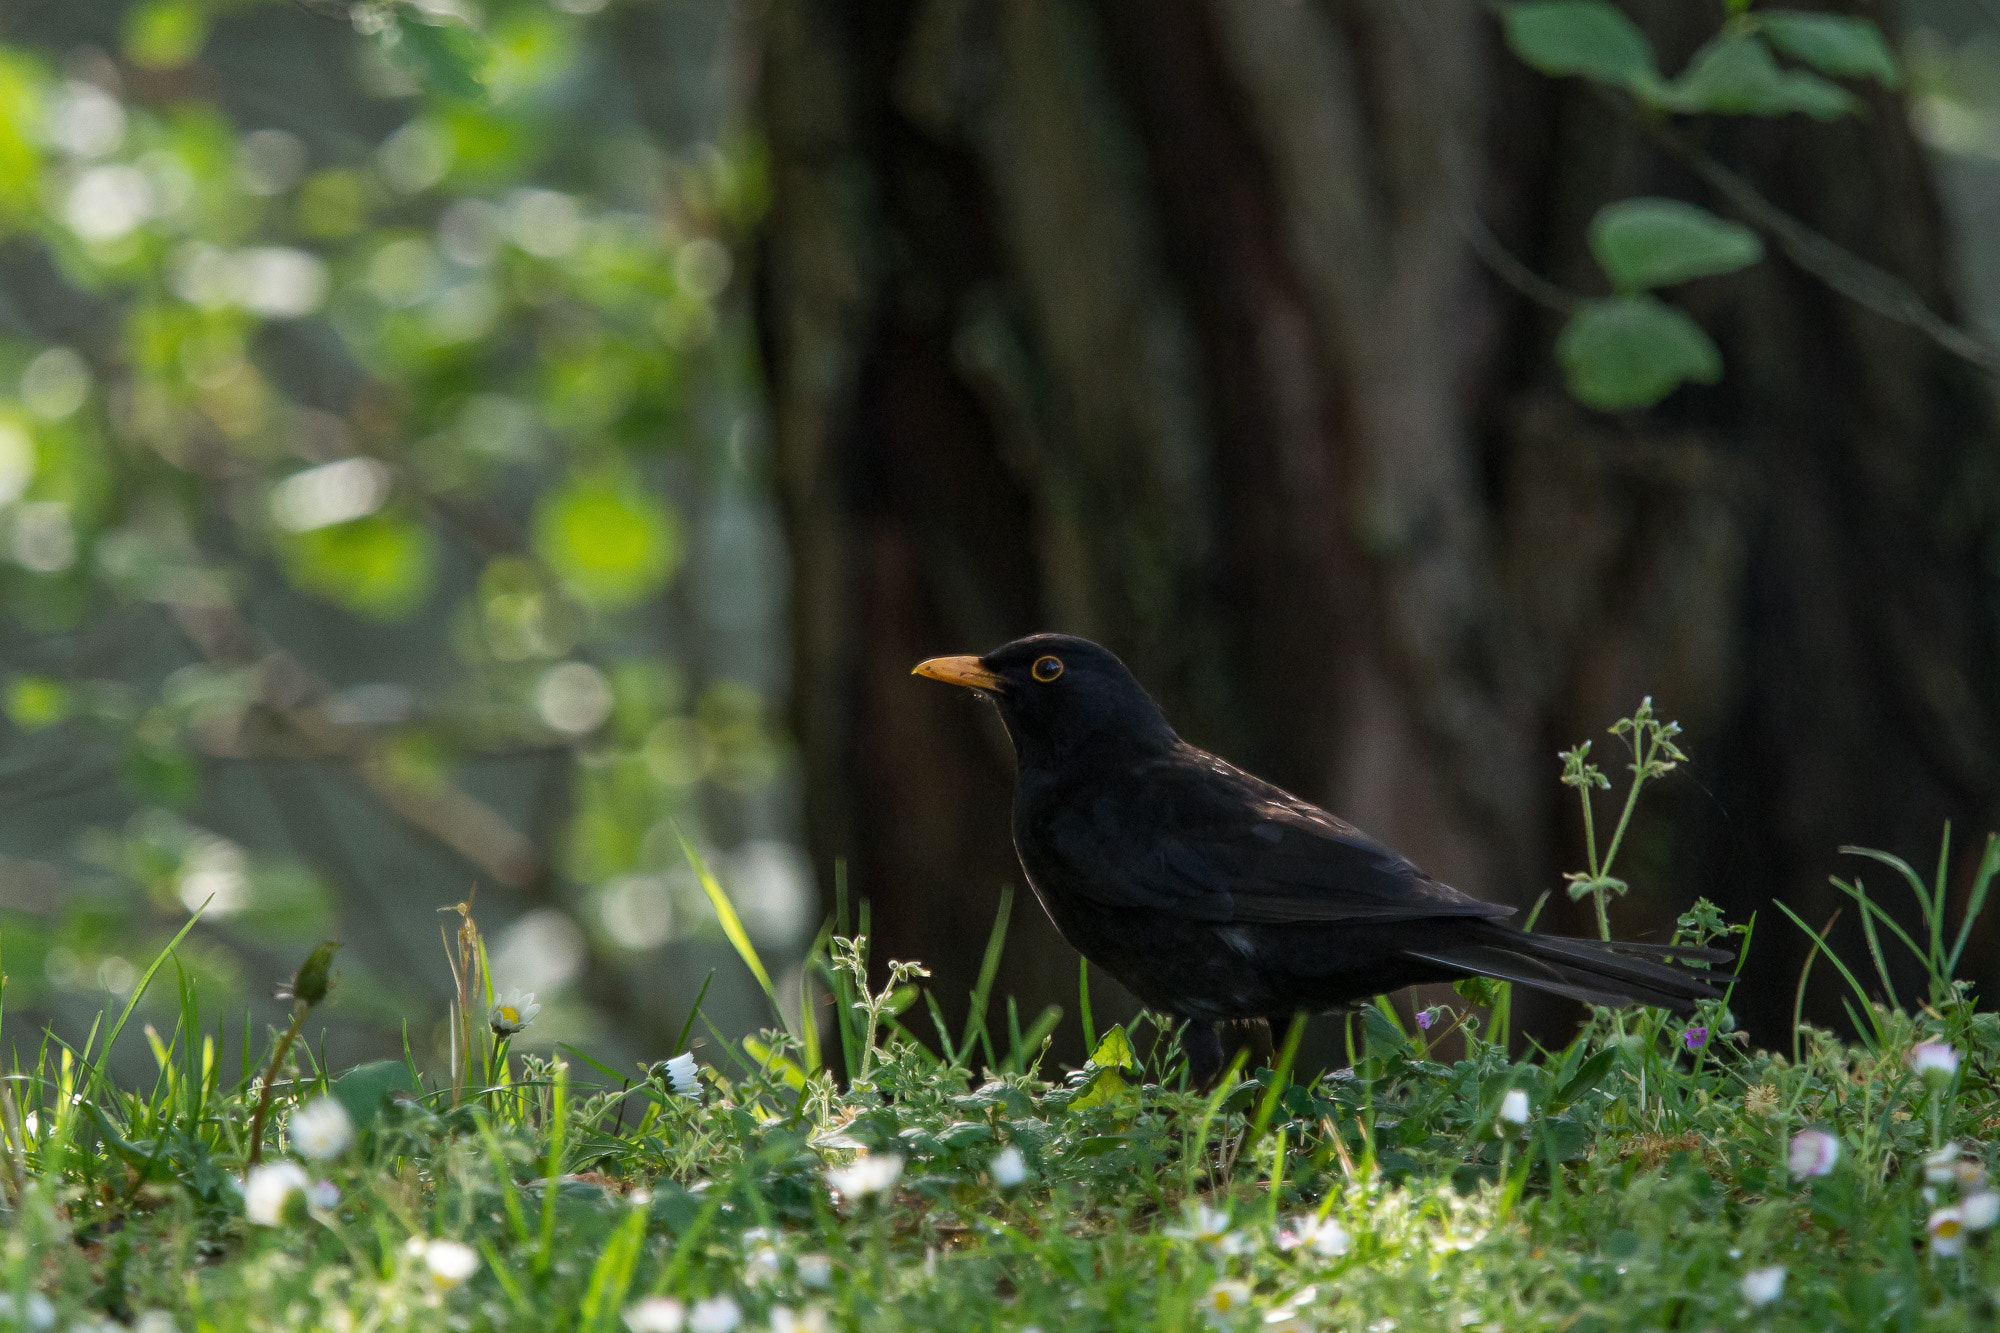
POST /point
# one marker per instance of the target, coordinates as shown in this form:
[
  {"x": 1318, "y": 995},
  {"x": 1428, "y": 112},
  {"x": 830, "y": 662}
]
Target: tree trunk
[{"x": 1157, "y": 321}]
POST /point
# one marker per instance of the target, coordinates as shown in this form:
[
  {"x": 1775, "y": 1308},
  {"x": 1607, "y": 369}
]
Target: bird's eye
[{"x": 1046, "y": 669}]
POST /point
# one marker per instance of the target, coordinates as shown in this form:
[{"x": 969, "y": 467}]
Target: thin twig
[
  {"x": 17, "y": 1142},
  {"x": 1509, "y": 268},
  {"x": 1866, "y": 284},
  {"x": 278, "y": 1053}
]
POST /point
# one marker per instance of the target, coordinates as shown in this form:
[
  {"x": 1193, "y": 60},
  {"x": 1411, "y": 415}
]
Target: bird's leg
[{"x": 1202, "y": 1043}]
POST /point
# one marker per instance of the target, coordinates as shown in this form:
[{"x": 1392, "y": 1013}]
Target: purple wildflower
[
  {"x": 1426, "y": 1017},
  {"x": 1695, "y": 1038}
]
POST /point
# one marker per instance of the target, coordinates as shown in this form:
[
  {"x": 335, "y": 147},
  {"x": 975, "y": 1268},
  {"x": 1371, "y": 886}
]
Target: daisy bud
[
  {"x": 1814, "y": 1152},
  {"x": 1761, "y": 1286}
]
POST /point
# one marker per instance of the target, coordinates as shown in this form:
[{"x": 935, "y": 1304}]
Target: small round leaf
[
  {"x": 379, "y": 566},
  {"x": 1580, "y": 37},
  {"x": 1737, "y": 75},
  {"x": 609, "y": 541},
  {"x": 1646, "y": 243},
  {"x": 1632, "y": 351},
  {"x": 1836, "y": 45}
]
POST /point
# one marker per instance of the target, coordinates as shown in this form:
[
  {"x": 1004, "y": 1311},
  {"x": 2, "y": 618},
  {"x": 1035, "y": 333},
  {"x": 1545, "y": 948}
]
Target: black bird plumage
[{"x": 1214, "y": 896}]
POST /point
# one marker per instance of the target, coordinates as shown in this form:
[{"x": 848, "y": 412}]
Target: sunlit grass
[{"x": 1654, "y": 1174}]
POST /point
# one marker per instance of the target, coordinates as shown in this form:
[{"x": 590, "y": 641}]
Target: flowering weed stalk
[
  {"x": 1654, "y": 755},
  {"x": 308, "y": 987}
]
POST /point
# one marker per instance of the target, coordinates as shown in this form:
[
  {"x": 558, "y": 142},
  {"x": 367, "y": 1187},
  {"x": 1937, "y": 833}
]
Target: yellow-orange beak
[{"x": 964, "y": 671}]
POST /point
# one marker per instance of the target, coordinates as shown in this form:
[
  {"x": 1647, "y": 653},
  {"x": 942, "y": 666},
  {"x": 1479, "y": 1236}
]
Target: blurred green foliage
[
  {"x": 1631, "y": 350},
  {"x": 373, "y": 450}
]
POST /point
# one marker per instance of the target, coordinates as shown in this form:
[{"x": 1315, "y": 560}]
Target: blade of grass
[
  {"x": 943, "y": 1032},
  {"x": 1859, "y": 893},
  {"x": 611, "y": 1276},
  {"x": 681, "y": 1042},
  {"x": 1881, "y": 1037},
  {"x": 1942, "y": 885},
  {"x": 552, "y": 1170},
  {"x": 1083, "y": 1003},
  {"x": 594, "y": 1063},
  {"x": 1281, "y": 1079},
  {"x": 808, "y": 1025},
  {"x": 1989, "y": 865},
  {"x": 989, "y": 968},
  {"x": 139, "y": 993},
  {"x": 732, "y": 927},
  {"x": 1910, "y": 877}
]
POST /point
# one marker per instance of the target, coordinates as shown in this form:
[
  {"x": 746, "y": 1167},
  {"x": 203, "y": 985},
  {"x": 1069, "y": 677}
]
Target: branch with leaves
[{"x": 1632, "y": 349}]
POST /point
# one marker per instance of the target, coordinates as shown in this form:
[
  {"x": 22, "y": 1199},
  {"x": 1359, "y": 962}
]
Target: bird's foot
[{"x": 1202, "y": 1044}]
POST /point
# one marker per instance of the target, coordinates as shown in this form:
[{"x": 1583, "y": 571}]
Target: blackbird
[{"x": 1215, "y": 896}]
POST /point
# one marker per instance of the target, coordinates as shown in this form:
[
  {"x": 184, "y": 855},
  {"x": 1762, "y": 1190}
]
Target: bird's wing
[{"x": 1212, "y": 842}]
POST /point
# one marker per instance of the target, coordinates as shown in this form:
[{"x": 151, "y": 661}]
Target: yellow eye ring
[{"x": 1046, "y": 669}]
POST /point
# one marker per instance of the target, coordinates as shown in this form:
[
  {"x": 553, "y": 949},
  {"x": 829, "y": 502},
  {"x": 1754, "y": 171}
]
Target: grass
[{"x": 1647, "y": 1183}]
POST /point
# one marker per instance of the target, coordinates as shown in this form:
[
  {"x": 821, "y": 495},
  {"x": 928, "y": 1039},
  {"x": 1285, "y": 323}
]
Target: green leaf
[
  {"x": 365, "y": 1089},
  {"x": 1480, "y": 991},
  {"x": 1737, "y": 75},
  {"x": 35, "y": 702},
  {"x": 1632, "y": 351},
  {"x": 608, "y": 540},
  {"x": 1834, "y": 44},
  {"x": 165, "y": 34},
  {"x": 1380, "y": 1033},
  {"x": 1581, "y": 37},
  {"x": 1115, "y": 1051},
  {"x": 1589, "y": 1076},
  {"x": 447, "y": 56},
  {"x": 315, "y": 975},
  {"x": 379, "y": 566},
  {"x": 1658, "y": 242},
  {"x": 1103, "y": 1089},
  {"x": 732, "y": 926}
]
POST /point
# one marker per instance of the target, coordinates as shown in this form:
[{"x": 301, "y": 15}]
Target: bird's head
[{"x": 1058, "y": 694}]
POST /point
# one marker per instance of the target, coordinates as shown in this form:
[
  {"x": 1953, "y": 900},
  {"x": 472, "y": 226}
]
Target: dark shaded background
[{"x": 1162, "y": 323}]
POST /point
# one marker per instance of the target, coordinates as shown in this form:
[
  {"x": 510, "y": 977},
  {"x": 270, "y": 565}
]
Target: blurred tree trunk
[{"x": 1159, "y": 323}]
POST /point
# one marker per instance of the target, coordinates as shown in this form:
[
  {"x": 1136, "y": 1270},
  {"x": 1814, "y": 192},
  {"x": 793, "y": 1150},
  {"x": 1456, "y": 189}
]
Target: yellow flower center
[
  {"x": 1948, "y": 1228},
  {"x": 509, "y": 1014}
]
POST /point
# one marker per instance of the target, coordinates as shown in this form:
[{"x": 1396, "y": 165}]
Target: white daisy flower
[
  {"x": 717, "y": 1314},
  {"x": 269, "y": 1189},
  {"x": 450, "y": 1262},
  {"x": 812, "y": 1319},
  {"x": 1941, "y": 1167},
  {"x": 321, "y": 1130},
  {"x": 1814, "y": 1152},
  {"x": 1009, "y": 1168},
  {"x": 1761, "y": 1286},
  {"x": 1934, "y": 1061},
  {"x": 816, "y": 1270},
  {"x": 1947, "y": 1228},
  {"x": 1980, "y": 1210},
  {"x": 656, "y": 1314},
  {"x": 1225, "y": 1301},
  {"x": 1326, "y": 1237},
  {"x": 1201, "y": 1222},
  {"x": 683, "y": 1075},
  {"x": 35, "y": 1311},
  {"x": 512, "y": 1012},
  {"x": 870, "y": 1173},
  {"x": 1514, "y": 1107}
]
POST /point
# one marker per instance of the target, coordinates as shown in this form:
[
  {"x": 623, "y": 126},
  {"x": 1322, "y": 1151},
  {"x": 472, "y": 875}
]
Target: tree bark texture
[{"x": 1159, "y": 321}]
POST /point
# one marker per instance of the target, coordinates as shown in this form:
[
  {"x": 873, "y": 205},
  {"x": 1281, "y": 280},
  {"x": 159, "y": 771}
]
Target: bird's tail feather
[{"x": 1612, "y": 973}]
